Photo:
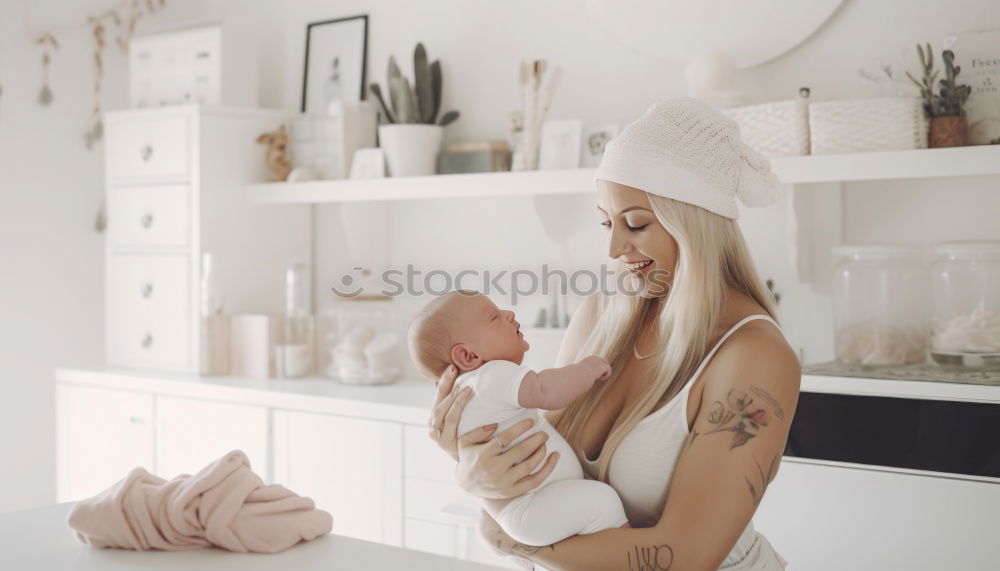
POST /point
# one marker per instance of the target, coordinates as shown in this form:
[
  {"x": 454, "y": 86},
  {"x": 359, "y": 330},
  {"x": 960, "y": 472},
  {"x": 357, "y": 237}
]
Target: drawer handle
[
  {"x": 147, "y": 341},
  {"x": 146, "y": 220},
  {"x": 136, "y": 420},
  {"x": 147, "y": 290},
  {"x": 146, "y": 152}
]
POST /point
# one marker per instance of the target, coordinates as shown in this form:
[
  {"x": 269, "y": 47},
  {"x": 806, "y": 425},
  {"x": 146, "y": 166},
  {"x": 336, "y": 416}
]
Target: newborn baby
[{"x": 486, "y": 345}]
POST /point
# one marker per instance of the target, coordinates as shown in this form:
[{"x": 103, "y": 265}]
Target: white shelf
[
  {"x": 932, "y": 390},
  {"x": 921, "y": 163},
  {"x": 477, "y": 185}
]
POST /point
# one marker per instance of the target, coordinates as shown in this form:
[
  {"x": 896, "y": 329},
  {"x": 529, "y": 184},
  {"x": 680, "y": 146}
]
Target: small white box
[{"x": 327, "y": 143}]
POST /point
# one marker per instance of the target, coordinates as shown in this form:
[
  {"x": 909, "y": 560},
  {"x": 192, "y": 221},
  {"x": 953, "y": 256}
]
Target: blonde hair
[
  {"x": 712, "y": 254},
  {"x": 430, "y": 336}
]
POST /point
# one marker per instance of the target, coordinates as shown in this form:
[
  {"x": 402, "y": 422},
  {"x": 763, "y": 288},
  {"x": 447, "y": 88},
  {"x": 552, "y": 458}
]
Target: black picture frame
[{"x": 364, "y": 54}]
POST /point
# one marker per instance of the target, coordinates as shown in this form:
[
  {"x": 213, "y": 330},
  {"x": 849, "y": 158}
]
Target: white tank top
[{"x": 644, "y": 462}]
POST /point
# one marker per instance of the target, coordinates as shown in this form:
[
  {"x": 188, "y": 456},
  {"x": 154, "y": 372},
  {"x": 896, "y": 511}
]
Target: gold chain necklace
[{"x": 635, "y": 352}]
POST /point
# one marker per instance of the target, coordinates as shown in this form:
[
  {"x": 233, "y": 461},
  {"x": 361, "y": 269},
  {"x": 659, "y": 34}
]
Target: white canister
[
  {"x": 411, "y": 149},
  {"x": 249, "y": 346},
  {"x": 965, "y": 286},
  {"x": 880, "y": 305}
]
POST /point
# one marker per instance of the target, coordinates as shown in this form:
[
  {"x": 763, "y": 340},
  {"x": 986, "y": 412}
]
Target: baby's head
[{"x": 466, "y": 329}]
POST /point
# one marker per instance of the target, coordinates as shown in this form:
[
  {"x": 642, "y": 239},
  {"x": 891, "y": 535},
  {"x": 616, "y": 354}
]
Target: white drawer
[
  {"x": 424, "y": 459},
  {"x": 440, "y": 502},
  {"x": 149, "y": 312},
  {"x": 149, "y": 149},
  {"x": 148, "y": 216}
]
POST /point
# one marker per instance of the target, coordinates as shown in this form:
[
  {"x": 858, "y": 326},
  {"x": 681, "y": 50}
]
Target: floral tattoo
[{"x": 741, "y": 415}]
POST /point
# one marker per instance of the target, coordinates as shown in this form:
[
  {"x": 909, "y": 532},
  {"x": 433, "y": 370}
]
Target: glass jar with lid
[
  {"x": 880, "y": 305},
  {"x": 965, "y": 293},
  {"x": 360, "y": 343}
]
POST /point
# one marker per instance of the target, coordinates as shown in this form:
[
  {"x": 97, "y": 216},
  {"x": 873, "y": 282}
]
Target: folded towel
[{"x": 225, "y": 504}]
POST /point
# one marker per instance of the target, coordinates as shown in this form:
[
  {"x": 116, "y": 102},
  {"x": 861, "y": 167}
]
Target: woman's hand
[
  {"x": 483, "y": 470},
  {"x": 486, "y": 472},
  {"x": 448, "y": 407}
]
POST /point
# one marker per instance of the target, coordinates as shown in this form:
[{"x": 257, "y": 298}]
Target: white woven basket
[
  {"x": 779, "y": 129},
  {"x": 862, "y": 125}
]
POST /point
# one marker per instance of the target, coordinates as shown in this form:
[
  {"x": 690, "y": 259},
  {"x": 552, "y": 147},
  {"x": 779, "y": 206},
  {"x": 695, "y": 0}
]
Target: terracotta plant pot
[{"x": 951, "y": 131}]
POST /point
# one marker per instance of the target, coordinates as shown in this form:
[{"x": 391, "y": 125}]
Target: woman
[{"x": 691, "y": 426}]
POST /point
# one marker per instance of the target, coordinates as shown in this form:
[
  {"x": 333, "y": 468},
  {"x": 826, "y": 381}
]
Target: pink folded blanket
[{"x": 225, "y": 504}]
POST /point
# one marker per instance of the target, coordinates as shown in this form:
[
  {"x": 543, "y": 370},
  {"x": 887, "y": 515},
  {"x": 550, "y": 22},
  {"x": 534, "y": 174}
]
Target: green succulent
[
  {"x": 951, "y": 97},
  {"x": 419, "y": 103}
]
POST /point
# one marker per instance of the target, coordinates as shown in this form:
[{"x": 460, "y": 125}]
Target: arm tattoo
[
  {"x": 741, "y": 416},
  {"x": 654, "y": 558},
  {"x": 764, "y": 479}
]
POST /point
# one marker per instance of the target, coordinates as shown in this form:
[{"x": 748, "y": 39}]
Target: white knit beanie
[{"x": 682, "y": 148}]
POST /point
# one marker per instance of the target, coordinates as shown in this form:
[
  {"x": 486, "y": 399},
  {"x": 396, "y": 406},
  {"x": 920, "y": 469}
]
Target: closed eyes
[{"x": 607, "y": 225}]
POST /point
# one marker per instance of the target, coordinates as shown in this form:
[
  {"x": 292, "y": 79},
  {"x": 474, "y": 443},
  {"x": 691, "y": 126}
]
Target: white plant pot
[{"x": 411, "y": 149}]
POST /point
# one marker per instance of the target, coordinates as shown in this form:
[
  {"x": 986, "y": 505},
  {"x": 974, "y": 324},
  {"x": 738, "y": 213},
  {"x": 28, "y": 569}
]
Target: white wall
[{"x": 50, "y": 187}]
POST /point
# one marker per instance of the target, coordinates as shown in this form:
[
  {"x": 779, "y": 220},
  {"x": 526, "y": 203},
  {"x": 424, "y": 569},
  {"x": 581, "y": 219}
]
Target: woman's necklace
[
  {"x": 635, "y": 352},
  {"x": 635, "y": 348}
]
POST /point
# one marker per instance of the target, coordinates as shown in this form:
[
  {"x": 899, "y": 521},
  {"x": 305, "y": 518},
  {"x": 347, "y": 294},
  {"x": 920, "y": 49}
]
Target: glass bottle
[
  {"x": 294, "y": 351},
  {"x": 214, "y": 323}
]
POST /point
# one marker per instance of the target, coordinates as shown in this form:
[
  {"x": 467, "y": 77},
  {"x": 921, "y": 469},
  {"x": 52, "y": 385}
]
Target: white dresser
[{"x": 175, "y": 181}]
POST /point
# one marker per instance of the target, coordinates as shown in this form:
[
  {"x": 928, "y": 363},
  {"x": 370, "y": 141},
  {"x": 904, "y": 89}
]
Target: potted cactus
[
  {"x": 410, "y": 130},
  {"x": 945, "y": 108}
]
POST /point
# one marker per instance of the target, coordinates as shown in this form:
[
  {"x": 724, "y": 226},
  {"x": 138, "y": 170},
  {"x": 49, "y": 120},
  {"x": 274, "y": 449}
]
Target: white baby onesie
[{"x": 565, "y": 504}]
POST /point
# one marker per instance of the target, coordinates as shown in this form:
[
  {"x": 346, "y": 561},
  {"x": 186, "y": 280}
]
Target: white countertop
[
  {"x": 408, "y": 401},
  {"x": 40, "y": 539}
]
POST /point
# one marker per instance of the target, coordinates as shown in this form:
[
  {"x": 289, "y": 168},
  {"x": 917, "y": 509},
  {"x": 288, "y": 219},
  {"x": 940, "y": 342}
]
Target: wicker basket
[
  {"x": 862, "y": 125},
  {"x": 779, "y": 129}
]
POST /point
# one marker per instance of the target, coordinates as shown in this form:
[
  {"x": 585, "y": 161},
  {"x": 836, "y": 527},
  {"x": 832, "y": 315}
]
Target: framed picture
[
  {"x": 336, "y": 63},
  {"x": 594, "y": 140},
  {"x": 560, "y": 145}
]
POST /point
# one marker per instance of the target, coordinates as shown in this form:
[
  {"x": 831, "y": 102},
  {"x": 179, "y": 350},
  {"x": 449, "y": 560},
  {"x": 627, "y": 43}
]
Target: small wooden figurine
[{"x": 277, "y": 152}]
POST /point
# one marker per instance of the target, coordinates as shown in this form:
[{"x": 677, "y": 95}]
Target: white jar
[
  {"x": 880, "y": 305},
  {"x": 360, "y": 344},
  {"x": 965, "y": 286}
]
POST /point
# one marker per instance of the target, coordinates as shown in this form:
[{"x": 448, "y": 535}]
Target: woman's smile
[{"x": 639, "y": 267}]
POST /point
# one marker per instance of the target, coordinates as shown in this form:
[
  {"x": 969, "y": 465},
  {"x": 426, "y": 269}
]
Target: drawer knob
[
  {"x": 146, "y": 152},
  {"x": 146, "y": 220},
  {"x": 147, "y": 290},
  {"x": 147, "y": 341}
]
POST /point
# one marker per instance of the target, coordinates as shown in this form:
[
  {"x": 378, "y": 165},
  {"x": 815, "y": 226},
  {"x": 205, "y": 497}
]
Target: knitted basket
[
  {"x": 862, "y": 125},
  {"x": 779, "y": 129}
]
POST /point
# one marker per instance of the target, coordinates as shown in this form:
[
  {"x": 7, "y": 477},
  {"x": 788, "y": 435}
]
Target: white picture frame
[
  {"x": 560, "y": 145},
  {"x": 593, "y": 141}
]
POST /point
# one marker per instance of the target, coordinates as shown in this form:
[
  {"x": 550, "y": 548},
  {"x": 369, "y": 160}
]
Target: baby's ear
[{"x": 463, "y": 356}]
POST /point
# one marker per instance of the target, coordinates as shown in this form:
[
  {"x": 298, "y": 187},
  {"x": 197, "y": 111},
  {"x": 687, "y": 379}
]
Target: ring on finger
[{"x": 437, "y": 430}]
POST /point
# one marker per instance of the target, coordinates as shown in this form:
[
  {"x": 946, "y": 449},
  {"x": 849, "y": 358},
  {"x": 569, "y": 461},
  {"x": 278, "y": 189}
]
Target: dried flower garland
[{"x": 122, "y": 22}]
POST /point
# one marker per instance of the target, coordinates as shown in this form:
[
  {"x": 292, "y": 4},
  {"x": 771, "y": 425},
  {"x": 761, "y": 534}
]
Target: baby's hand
[{"x": 602, "y": 370}]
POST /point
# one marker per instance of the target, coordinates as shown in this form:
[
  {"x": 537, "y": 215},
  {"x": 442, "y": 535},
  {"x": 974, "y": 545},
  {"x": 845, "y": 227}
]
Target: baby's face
[{"x": 489, "y": 332}]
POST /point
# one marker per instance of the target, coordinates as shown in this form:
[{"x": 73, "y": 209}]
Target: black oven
[{"x": 949, "y": 437}]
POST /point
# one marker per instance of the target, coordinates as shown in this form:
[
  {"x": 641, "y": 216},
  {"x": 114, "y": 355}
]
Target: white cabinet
[
  {"x": 831, "y": 517},
  {"x": 101, "y": 434},
  {"x": 175, "y": 181},
  {"x": 192, "y": 433},
  {"x": 439, "y": 516},
  {"x": 148, "y": 301},
  {"x": 350, "y": 467}
]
